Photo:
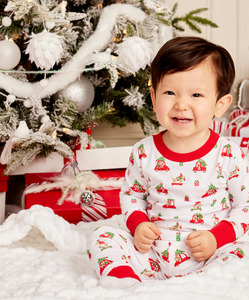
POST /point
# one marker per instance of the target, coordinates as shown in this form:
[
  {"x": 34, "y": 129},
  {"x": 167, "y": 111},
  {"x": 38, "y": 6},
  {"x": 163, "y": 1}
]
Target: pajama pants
[{"x": 109, "y": 248}]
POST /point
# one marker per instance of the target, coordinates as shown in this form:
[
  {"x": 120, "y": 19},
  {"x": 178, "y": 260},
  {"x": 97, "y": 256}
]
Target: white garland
[{"x": 83, "y": 57}]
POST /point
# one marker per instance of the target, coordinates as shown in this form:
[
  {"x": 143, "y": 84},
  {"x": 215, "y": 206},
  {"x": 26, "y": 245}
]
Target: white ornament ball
[
  {"x": 11, "y": 98},
  {"x": 45, "y": 49},
  {"x": 28, "y": 103},
  {"x": 80, "y": 91},
  {"x": 45, "y": 119},
  {"x": 50, "y": 25},
  {"x": 134, "y": 53},
  {"x": 10, "y": 55},
  {"x": 6, "y": 21}
]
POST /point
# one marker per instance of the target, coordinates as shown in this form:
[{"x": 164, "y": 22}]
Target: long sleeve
[
  {"x": 238, "y": 186},
  {"x": 134, "y": 191}
]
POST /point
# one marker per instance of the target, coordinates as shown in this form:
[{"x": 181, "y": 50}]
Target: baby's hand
[
  {"x": 145, "y": 234},
  {"x": 202, "y": 244}
]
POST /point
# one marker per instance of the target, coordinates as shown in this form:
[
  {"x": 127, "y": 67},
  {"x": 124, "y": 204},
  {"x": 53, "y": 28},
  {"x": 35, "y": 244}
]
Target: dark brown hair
[{"x": 184, "y": 53}]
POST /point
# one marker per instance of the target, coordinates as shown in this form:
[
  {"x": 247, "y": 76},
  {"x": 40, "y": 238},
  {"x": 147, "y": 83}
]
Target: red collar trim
[{"x": 185, "y": 157}]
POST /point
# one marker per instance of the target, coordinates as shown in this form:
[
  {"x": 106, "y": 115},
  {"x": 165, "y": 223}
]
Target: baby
[{"x": 185, "y": 197}]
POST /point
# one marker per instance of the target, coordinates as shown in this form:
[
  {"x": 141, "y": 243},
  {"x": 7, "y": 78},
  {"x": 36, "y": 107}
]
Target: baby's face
[{"x": 185, "y": 102}]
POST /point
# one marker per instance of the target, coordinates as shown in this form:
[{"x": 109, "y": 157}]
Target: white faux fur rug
[{"x": 44, "y": 257}]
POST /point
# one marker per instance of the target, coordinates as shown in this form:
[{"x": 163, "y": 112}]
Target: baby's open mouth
[{"x": 182, "y": 120}]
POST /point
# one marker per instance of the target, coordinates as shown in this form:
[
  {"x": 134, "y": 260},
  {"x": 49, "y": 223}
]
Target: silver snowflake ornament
[{"x": 87, "y": 198}]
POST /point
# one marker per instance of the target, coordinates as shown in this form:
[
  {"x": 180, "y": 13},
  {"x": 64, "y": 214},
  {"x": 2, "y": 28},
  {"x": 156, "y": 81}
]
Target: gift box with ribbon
[
  {"x": 3, "y": 190},
  {"x": 239, "y": 122},
  {"x": 105, "y": 205},
  {"x": 239, "y": 118}
]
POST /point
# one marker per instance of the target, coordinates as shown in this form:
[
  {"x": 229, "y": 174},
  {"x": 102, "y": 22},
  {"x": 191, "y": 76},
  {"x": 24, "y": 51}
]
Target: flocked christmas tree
[{"x": 65, "y": 65}]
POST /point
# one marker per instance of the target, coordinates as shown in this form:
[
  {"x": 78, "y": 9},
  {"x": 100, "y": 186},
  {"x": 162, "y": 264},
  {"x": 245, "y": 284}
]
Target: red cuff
[
  {"x": 224, "y": 233},
  {"x": 123, "y": 272},
  {"x": 135, "y": 219}
]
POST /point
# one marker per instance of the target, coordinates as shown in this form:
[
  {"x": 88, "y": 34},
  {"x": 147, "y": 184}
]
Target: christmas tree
[{"x": 66, "y": 65}]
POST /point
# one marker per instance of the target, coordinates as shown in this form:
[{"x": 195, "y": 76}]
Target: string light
[
  {"x": 66, "y": 130},
  {"x": 114, "y": 57},
  {"x": 100, "y": 5},
  {"x": 149, "y": 82},
  {"x": 54, "y": 134},
  {"x": 14, "y": 37},
  {"x": 42, "y": 125}
]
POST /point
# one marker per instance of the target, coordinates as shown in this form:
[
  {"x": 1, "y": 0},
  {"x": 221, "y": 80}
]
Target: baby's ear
[
  {"x": 222, "y": 105},
  {"x": 153, "y": 98}
]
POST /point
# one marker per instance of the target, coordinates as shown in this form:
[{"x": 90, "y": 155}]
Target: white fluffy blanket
[{"x": 44, "y": 257}]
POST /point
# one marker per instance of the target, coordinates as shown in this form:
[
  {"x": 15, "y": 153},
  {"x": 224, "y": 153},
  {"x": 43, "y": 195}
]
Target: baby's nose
[{"x": 181, "y": 104}]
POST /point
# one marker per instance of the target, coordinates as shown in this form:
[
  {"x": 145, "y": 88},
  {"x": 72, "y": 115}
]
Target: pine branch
[
  {"x": 130, "y": 29},
  {"x": 15, "y": 162},
  {"x": 174, "y": 9},
  {"x": 22, "y": 157},
  {"x": 190, "y": 19},
  {"x": 204, "y": 21},
  {"x": 64, "y": 112},
  {"x": 177, "y": 27},
  {"x": 164, "y": 21},
  {"x": 93, "y": 115},
  {"x": 196, "y": 11},
  {"x": 193, "y": 26},
  {"x": 63, "y": 150},
  {"x": 148, "y": 121}
]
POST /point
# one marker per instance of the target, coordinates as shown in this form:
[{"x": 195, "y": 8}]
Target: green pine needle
[
  {"x": 193, "y": 26},
  {"x": 174, "y": 9},
  {"x": 196, "y": 11},
  {"x": 203, "y": 21},
  {"x": 164, "y": 21}
]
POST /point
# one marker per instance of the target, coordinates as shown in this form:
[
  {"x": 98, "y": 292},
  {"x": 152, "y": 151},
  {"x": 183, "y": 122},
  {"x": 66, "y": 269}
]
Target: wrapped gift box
[
  {"x": 239, "y": 120},
  {"x": 3, "y": 190},
  {"x": 70, "y": 211}
]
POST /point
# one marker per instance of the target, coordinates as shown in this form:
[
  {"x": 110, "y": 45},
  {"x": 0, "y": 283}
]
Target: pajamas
[
  {"x": 111, "y": 248},
  {"x": 179, "y": 193}
]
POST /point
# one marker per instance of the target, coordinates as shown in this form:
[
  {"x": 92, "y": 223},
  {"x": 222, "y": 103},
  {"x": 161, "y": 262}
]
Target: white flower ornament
[
  {"x": 134, "y": 53},
  {"x": 45, "y": 49}
]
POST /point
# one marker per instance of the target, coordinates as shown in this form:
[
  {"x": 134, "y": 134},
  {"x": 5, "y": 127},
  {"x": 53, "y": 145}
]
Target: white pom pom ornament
[
  {"x": 44, "y": 49},
  {"x": 45, "y": 119},
  {"x": 134, "y": 53},
  {"x": 50, "y": 25},
  {"x": 28, "y": 103},
  {"x": 6, "y": 21},
  {"x": 11, "y": 98}
]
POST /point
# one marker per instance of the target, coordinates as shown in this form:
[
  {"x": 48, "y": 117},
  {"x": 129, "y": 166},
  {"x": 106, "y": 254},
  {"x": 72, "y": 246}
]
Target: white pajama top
[{"x": 182, "y": 192}]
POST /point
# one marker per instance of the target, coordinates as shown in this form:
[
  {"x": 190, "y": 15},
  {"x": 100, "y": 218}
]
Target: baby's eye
[
  {"x": 197, "y": 95},
  {"x": 169, "y": 93}
]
